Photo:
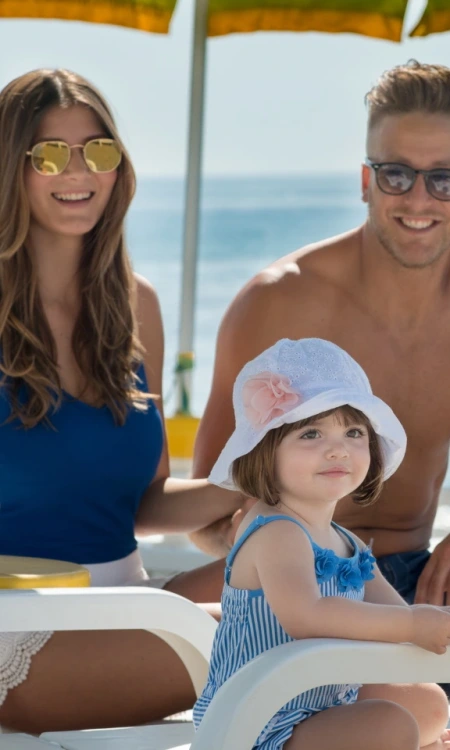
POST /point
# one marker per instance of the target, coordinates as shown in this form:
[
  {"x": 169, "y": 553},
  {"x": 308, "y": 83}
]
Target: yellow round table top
[{"x": 37, "y": 573}]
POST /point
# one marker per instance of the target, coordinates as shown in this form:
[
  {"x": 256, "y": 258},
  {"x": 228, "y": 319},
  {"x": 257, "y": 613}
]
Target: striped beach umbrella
[
  {"x": 377, "y": 18},
  {"x": 435, "y": 18},
  {"x": 146, "y": 15}
]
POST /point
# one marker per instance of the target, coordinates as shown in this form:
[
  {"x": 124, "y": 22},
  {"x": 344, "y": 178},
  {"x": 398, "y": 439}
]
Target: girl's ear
[{"x": 365, "y": 180}]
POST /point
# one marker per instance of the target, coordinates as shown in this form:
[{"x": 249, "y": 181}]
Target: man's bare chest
[{"x": 409, "y": 371}]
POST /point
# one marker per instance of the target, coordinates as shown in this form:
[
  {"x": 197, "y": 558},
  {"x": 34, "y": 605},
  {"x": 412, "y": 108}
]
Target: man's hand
[
  {"x": 218, "y": 538},
  {"x": 434, "y": 583},
  {"x": 237, "y": 518}
]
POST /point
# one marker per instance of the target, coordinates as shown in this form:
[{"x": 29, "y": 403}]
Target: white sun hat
[{"x": 294, "y": 380}]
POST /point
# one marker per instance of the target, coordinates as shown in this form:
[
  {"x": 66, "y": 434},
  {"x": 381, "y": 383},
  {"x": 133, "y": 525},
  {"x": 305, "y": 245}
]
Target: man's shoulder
[
  {"x": 294, "y": 297},
  {"x": 307, "y": 271},
  {"x": 320, "y": 258}
]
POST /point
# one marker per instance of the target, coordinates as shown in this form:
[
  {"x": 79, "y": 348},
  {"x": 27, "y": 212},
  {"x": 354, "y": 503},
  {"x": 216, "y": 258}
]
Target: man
[{"x": 382, "y": 292}]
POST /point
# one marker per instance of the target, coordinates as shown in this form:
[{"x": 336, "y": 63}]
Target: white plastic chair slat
[
  {"x": 25, "y": 742},
  {"x": 170, "y": 736},
  {"x": 100, "y": 609}
]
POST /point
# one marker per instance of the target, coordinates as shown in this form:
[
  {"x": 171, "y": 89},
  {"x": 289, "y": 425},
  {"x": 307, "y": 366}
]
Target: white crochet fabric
[
  {"x": 16, "y": 650},
  {"x": 322, "y": 376}
]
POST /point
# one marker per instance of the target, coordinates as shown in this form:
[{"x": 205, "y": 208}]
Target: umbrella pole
[{"x": 185, "y": 358}]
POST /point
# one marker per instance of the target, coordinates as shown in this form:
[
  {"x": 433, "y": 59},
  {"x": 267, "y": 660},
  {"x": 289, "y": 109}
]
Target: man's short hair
[{"x": 414, "y": 87}]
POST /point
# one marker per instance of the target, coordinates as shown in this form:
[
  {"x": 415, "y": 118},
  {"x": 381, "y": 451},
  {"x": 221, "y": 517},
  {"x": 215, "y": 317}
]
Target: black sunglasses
[{"x": 397, "y": 179}]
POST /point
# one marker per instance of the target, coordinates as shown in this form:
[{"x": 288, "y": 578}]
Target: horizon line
[{"x": 250, "y": 175}]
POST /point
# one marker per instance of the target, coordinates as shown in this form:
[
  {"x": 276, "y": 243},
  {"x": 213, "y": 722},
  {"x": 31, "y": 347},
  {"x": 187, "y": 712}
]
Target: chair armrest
[
  {"x": 249, "y": 699},
  {"x": 188, "y": 629}
]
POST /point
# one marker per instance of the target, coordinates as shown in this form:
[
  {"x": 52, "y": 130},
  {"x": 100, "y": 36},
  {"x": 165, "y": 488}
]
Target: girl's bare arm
[{"x": 284, "y": 560}]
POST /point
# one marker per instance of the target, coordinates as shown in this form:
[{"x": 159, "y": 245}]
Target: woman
[{"x": 82, "y": 450}]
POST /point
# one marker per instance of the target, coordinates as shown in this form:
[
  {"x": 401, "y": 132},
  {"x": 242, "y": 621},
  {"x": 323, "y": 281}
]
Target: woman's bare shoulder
[
  {"x": 149, "y": 327},
  {"x": 146, "y": 294}
]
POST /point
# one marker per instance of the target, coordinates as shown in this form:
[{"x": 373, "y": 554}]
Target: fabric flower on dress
[
  {"x": 326, "y": 563},
  {"x": 266, "y": 396},
  {"x": 366, "y": 564},
  {"x": 349, "y": 577}
]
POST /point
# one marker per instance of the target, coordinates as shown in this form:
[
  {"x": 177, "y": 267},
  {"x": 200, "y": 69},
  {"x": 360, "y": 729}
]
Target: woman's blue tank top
[{"x": 72, "y": 493}]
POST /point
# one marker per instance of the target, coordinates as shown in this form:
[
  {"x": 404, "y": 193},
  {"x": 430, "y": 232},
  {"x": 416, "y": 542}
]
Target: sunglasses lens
[
  {"x": 102, "y": 155},
  {"x": 395, "y": 179},
  {"x": 438, "y": 184},
  {"x": 50, "y": 157}
]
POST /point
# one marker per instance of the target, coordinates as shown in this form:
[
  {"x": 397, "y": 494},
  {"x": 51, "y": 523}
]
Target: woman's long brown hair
[{"x": 104, "y": 341}]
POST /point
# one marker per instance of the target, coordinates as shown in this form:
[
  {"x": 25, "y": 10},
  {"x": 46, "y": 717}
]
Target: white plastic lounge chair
[
  {"x": 183, "y": 625},
  {"x": 245, "y": 703},
  {"x": 248, "y": 700}
]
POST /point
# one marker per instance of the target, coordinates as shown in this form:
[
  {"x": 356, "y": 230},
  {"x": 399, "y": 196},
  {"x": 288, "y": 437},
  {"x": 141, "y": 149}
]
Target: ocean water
[{"x": 245, "y": 224}]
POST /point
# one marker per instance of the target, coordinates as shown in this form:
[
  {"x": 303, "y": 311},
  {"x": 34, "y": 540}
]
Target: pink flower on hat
[{"x": 266, "y": 396}]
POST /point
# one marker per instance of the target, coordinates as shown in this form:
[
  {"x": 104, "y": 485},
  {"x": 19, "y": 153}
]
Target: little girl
[{"x": 309, "y": 431}]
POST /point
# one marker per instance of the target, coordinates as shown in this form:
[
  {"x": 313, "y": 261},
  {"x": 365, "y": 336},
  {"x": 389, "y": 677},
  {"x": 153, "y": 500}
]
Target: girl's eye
[
  {"x": 355, "y": 432},
  {"x": 310, "y": 435}
]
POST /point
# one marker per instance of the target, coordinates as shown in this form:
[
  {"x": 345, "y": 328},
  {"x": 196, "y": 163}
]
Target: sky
[{"x": 276, "y": 103}]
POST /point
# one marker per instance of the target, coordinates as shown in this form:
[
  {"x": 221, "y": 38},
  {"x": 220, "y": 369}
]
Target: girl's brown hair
[
  {"x": 104, "y": 340},
  {"x": 414, "y": 87},
  {"x": 254, "y": 474}
]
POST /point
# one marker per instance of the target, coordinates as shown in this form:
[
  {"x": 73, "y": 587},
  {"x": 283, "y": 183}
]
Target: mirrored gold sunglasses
[{"x": 50, "y": 158}]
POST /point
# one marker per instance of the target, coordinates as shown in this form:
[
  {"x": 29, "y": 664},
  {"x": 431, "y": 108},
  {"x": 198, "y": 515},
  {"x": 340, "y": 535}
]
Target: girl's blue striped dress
[{"x": 249, "y": 627}]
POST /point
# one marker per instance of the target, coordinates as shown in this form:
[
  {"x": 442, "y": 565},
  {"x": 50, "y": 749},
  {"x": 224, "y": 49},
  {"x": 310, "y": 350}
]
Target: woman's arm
[
  {"x": 177, "y": 505},
  {"x": 182, "y": 505}
]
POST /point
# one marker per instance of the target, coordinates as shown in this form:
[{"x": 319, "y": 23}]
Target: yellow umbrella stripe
[
  {"x": 146, "y": 15},
  {"x": 436, "y": 17},
  {"x": 376, "y": 18}
]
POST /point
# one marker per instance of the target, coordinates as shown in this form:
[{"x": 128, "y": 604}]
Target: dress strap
[{"x": 257, "y": 523}]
